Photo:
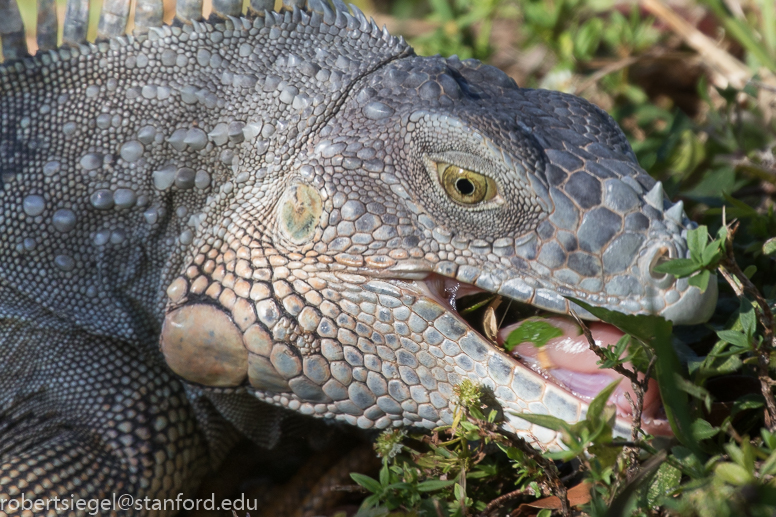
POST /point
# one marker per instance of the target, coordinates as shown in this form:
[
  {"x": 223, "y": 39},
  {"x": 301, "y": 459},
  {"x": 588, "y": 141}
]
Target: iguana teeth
[
  {"x": 328, "y": 14},
  {"x": 675, "y": 212},
  {"x": 655, "y": 196}
]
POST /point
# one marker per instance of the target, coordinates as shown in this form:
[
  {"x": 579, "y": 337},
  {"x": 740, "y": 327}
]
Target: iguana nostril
[
  {"x": 659, "y": 253},
  {"x": 662, "y": 256}
]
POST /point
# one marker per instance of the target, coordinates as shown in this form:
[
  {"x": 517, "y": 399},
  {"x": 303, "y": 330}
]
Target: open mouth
[{"x": 565, "y": 361}]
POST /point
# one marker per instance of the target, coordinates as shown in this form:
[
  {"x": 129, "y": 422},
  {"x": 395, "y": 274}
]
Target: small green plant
[
  {"x": 704, "y": 258},
  {"x": 455, "y": 471}
]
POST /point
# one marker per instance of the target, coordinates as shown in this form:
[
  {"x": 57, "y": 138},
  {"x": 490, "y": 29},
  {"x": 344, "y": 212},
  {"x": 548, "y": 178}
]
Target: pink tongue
[
  {"x": 570, "y": 351},
  {"x": 569, "y": 361}
]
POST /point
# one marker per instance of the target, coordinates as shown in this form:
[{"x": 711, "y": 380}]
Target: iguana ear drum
[
  {"x": 299, "y": 212},
  {"x": 202, "y": 344}
]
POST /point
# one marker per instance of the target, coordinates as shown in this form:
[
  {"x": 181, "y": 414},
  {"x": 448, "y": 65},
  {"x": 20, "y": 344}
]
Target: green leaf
[
  {"x": 743, "y": 33},
  {"x": 370, "y": 484},
  {"x": 735, "y": 338},
  {"x": 747, "y": 317},
  {"x": 550, "y": 422},
  {"x": 733, "y": 474},
  {"x": 703, "y": 430},
  {"x": 701, "y": 280},
  {"x": 598, "y": 404},
  {"x": 769, "y": 467},
  {"x": 565, "y": 455},
  {"x": 769, "y": 438},
  {"x": 680, "y": 267},
  {"x": 737, "y": 209},
  {"x": 769, "y": 246},
  {"x": 434, "y": 484},
  {"x": 544, "y": 513},
  {"x": 655, "y": 332},
  {"x": 692, "y": 389},
  {"x": 534, "y": 331},
  {"x": 460, "y": 493},
  {"x": 697, "y": 239},
  {"x": 371, "y": 501},
  {"x": 478, "y": 305},
  {"x": 690, "y": 462},
  {"x": 665, "y": 481},
  {"x": 385, "y": 475}
]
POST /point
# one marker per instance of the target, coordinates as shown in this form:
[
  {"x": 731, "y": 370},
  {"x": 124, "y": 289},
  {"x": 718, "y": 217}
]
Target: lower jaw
[
  {"x": 585, "y": 386},
  {"x": 583, "y": 379}
]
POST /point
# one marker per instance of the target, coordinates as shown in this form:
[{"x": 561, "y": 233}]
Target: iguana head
[{"x": 329, "y": 285}]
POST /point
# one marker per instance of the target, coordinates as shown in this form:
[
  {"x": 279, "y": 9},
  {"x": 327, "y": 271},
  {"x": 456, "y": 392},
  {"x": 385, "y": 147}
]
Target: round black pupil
[{"x": 464, "y": 186}]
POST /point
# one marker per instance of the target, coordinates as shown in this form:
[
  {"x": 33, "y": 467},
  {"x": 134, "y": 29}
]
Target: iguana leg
[{"x": 84, "y": 417}]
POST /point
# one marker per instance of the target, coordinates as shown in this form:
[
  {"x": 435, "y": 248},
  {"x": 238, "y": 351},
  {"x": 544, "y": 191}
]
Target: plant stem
[{"x": 742, "y": 286}]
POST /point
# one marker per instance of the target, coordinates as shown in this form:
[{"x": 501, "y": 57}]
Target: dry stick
[
  {"x": 755, "y": 170},
  {"x": 438, "y": 508},
  {"x": 727, "y": 69},
  {"x": 500, "y": 500},
  {"x": 608, "y": 69},
  {"x": 742, "y": 285}
]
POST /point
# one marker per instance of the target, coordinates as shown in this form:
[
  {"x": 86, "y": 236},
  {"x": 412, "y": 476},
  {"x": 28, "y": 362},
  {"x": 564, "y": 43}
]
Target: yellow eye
[{"x": 465, "y": 186}]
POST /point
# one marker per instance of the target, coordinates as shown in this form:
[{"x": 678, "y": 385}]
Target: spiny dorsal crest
[{"x": 150, "y": 15}]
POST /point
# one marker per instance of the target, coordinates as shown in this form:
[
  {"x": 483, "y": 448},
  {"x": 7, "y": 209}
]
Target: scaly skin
[{"x": 262, "y": 198}]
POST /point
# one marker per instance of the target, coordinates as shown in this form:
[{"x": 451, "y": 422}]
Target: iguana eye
[{"x": 464, "y": 186}]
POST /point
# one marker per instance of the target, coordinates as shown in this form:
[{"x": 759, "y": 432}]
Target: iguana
[{"x": 283, "y": 208}]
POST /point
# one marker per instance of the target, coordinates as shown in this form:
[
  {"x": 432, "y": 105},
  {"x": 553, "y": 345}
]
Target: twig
[
  {"x": 550, "y": 471},
  {"x": 357, "y": 489},
  {"x": 603, "y": 72},
  {"x": 438, "y": 508},
  {"x": 742, "y": 286},
  {"x": 500, "y": 500},
  {"x": 755, "y": 170},
  {"x": 726, "y": 68},
  {"x": 628, "y": 374},
  {"x": 640, "y": 387}
]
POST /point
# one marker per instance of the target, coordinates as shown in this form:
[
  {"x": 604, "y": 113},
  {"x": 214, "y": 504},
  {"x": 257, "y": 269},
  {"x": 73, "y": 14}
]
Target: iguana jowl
[{"x": 289, "y": 204}]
